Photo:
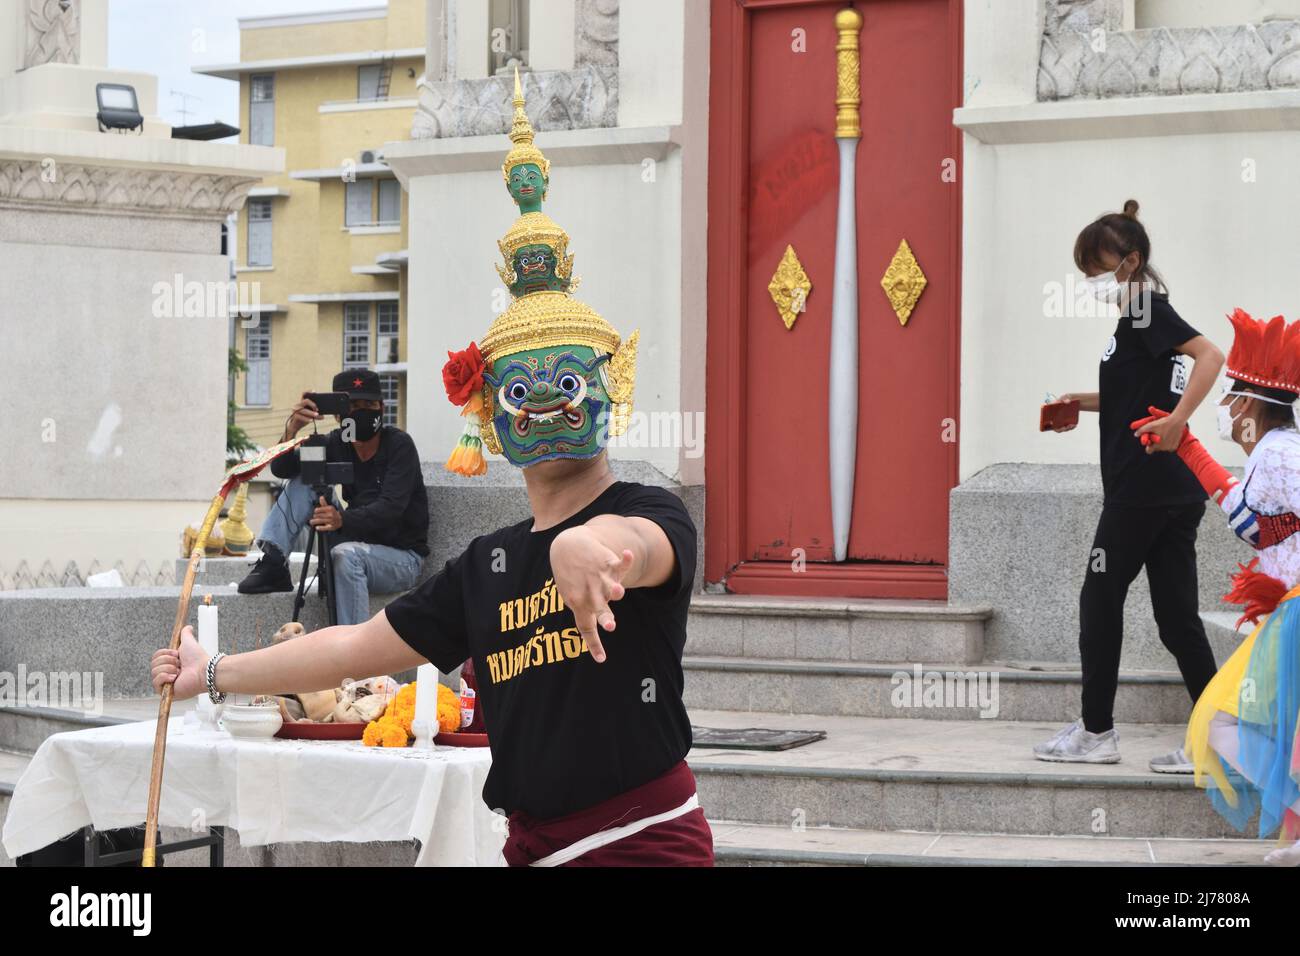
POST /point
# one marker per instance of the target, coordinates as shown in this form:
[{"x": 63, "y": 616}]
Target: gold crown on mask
[
  {"x": 541, "y": 320},
  {"x": 530, "y": 229},
  {"x": 521, "y": 134}
]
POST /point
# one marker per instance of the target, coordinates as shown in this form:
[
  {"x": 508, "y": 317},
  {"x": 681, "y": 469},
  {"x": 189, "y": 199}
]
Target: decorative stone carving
[
  {"x": 53, "y": 32},
  {"x": 596, "y": 33},
  {"x": 121, "y": 189},
  {"x": 564, "y": 99},
  {"x": 1164, "y": 61},
  {"x": 1083, "y": 16}
]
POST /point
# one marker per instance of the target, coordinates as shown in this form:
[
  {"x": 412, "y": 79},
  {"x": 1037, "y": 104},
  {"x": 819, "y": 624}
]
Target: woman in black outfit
[{"x": 1152, "y": 506}]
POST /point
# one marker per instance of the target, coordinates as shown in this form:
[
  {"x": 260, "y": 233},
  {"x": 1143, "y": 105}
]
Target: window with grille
[
  {"x": 261, "y": 109},
  {"x": 259, "y": 232},
  {"x": 386, "y": 332},
  {"x": 357, "y": 211},
  {"x": 257, "y": 355},
  {"x": 507, "y": 34},
  {"x": 388, "y": 387},
  {"x": 368, "y": 82},
  {"x": 356, "y": 334},
  {"x": 390, "y": 201}
]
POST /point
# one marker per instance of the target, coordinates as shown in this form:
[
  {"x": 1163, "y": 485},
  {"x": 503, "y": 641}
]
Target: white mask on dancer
[
  {"x": 1226, "y": 418},
  {"x": 1106, "y": 287}
]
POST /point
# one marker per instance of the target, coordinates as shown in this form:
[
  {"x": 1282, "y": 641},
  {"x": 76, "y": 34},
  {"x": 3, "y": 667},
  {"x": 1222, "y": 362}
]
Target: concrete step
[
  {"x": 948, "y": 776},
  {"x": 227, "y": 570},
  {"x": 1049, "y": 692},
  {"x": 24, "y": 729},
  {"x": 840, "y": 629},
  {"x": 110, "y": 633},
  {"x": 748, "y": 844}
]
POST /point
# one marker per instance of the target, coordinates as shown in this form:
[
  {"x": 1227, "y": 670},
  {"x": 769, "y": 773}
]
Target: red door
[{"x": 774, "y": 182}]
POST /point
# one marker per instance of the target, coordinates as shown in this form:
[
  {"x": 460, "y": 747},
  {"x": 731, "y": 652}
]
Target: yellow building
[{"x": 320, "y": 249}]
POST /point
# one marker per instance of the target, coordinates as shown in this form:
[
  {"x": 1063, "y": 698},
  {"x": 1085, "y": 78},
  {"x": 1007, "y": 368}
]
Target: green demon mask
[{"x": 549, "y": 403}]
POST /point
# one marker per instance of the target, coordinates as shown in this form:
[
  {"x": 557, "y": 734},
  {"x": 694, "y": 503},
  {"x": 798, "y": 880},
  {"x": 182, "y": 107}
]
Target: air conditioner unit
[{"x": 367, "y": 155}]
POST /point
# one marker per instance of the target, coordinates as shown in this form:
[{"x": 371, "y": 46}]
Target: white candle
[{"x": 425, "y": 725}]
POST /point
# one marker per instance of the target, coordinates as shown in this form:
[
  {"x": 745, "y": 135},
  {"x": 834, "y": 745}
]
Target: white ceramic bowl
[{"x": 251, "y": 720}]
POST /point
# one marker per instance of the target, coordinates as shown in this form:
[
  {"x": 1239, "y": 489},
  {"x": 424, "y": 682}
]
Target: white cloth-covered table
[{"x": 270, "y": 791}]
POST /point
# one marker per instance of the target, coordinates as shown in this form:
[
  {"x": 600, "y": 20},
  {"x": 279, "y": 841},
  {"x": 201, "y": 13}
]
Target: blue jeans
[{"x": 359, "y": 568}]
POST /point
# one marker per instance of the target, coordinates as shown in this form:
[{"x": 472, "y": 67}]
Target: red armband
[{"x": 1214, "y": 478}]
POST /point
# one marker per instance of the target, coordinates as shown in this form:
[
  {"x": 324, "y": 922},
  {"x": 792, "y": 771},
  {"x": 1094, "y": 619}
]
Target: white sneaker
[
  {"x": 1175, "y": 762},
  {"x": 1075, "y": 744},
  {"x": 1284, "y": 856}
]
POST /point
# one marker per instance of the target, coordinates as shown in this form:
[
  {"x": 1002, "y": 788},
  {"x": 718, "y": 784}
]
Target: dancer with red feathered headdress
[{"x": 1246, "y": 719}]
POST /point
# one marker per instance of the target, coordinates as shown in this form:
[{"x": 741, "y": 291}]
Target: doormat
[{"x": 754, "y": 738}]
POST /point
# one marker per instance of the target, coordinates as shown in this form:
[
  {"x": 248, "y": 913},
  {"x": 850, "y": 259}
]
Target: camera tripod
[{"x": 319, "y": 541}]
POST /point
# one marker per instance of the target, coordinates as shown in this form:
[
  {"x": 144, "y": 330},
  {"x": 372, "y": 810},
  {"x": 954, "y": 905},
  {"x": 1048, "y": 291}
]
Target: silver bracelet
[{"x": 212, "y": 678}]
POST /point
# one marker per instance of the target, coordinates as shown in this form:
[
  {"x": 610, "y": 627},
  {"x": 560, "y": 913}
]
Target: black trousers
[{"x": 1164, "y": 540}]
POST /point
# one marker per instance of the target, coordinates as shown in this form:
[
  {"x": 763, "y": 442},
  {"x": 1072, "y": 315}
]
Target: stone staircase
[{"x": 925, "y": 781}]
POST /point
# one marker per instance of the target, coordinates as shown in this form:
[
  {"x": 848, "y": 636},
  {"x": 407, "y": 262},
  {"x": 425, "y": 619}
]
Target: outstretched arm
[
  {"x": 315, "y": 661},
  {"x": 595, "y": 563}
]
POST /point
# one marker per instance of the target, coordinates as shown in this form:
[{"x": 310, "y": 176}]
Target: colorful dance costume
[{"x": 1260, "y": 683}]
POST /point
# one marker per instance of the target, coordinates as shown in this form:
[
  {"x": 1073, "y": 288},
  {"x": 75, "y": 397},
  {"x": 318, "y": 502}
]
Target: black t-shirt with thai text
[
  {"x": 1140, "y": 367},
  {"x": 566, "y": 732}
]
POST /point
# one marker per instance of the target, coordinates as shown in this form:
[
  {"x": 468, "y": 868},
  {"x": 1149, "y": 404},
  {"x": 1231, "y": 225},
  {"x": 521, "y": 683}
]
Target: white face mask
[
  {"x": 1226, "y": 418},
  {"x": 1106, "y": 287}
]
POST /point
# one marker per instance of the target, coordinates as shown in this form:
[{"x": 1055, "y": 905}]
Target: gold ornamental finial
[
  {"x": 238, "y": 535},
  {"x": 848, "y": 85},
  {"x": 521, "y": 134}
]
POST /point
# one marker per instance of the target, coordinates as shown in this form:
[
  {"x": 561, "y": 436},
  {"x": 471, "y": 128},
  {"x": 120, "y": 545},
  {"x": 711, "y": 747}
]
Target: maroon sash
[{"x": 682, "y": 841}]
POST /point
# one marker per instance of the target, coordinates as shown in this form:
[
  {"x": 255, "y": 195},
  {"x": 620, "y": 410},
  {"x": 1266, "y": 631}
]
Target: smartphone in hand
[
  {"x": 1056, "y": 415},
  {"x": 330, "y": 403}
]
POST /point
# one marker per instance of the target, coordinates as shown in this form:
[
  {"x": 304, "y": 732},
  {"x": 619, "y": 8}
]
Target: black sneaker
[{"x": 269, "y": 574}]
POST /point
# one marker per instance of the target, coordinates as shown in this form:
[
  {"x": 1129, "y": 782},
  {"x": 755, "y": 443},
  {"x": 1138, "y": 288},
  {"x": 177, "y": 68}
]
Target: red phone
[{"x": 1055, "y": 415}]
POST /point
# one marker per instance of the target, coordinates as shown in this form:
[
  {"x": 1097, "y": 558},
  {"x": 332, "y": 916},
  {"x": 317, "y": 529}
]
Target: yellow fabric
[{"x": 1222, "y": 693}]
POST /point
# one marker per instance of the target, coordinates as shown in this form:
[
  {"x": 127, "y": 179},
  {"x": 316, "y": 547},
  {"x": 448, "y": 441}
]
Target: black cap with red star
[{"x": 359, "y": 383}]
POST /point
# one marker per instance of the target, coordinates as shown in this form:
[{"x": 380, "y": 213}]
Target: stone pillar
[{"x": 115, "y": 313}]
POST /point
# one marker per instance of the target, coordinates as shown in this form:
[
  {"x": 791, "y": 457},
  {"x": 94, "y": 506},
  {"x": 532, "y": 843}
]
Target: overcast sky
[{"x": 168, "y": 37}]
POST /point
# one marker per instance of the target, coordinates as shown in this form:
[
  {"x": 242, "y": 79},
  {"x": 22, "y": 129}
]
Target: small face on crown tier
[
  {"x": 549, "y": 403},
  {"x": 535, "y": 267},
  {"x": 527, "y": 187}
]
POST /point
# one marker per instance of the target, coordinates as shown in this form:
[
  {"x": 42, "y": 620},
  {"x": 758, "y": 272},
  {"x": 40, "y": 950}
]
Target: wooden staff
[
  {"x": 239, "y": 473},
  {"x": 165, "y": 704}
]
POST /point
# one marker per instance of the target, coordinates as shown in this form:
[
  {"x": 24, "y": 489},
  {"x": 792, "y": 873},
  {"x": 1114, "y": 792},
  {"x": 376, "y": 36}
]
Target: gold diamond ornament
[
  {"x": 903, "y": 282},
  {"x": 789, "y": 287}
]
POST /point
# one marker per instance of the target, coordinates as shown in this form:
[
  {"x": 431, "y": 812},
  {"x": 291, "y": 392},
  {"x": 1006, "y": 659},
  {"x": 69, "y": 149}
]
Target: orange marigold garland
[{"x": 393, "y": 727}]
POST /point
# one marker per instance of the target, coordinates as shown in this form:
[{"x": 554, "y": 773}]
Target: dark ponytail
[{"x": 1117, "y": 233}]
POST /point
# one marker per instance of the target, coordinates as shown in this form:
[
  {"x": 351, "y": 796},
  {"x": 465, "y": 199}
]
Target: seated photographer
[{"x": 378, "y": 541}]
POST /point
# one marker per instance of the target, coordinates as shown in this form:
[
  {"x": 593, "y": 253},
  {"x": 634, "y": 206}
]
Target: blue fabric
[{"x": 1268, "y": 706}]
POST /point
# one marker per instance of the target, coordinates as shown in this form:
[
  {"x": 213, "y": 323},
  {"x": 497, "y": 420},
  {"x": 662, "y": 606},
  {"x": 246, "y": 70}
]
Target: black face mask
[{"x": 362, "y": 424}]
